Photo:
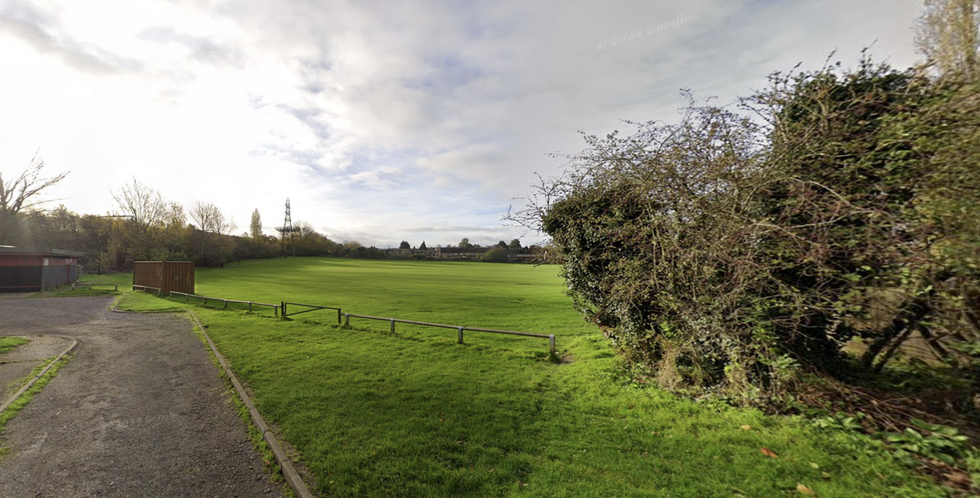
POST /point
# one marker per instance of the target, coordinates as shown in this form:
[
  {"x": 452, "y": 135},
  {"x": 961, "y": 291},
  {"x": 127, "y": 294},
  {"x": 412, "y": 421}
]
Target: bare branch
[
  {"x": 23, "y": 192},
  {"x": 143, "y": 204}
]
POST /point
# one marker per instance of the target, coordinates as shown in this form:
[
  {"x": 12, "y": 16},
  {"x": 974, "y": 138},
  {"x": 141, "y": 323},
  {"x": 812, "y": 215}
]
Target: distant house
[
  {"x": 522, "y": 257},
  {"x": 461, "y": 253},
  {"x": 32, "y": 270}
]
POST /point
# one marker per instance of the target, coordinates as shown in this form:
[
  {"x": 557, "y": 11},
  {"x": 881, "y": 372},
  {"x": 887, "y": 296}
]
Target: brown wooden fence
[{"x": 167, "y": 276}]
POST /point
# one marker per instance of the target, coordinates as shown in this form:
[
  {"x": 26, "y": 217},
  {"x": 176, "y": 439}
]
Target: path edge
[
  {"x": 6, "y": 404},
  {"x": 285, "y": 464}
]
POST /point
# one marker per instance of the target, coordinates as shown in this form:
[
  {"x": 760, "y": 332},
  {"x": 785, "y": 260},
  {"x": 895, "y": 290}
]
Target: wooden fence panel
[{"x": 165, "y": 275}]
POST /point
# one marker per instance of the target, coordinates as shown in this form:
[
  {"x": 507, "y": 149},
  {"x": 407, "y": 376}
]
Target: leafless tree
[
  {"x": 209, "y": 218},
  {"x": 142, "y": 204},
  {"x": 23, "y": 194},
  {"x": 145, "y": 213},
  {"x": 211, "y": 222}
]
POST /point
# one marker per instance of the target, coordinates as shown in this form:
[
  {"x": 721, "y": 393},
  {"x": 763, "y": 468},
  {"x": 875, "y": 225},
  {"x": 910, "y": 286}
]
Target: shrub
[
  {"x": 719, "y": 255},
  {"x": 495, "y": 255}
]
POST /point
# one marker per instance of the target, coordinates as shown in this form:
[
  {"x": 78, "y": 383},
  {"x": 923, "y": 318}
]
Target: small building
[
  {"x": 33, "y": 270},
  {"x": 166, "y": 276},
  {"x": 461, "y": 253}
]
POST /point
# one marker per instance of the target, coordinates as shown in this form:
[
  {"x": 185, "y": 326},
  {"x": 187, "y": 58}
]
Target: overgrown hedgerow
[{"x": 723, "y": 252}]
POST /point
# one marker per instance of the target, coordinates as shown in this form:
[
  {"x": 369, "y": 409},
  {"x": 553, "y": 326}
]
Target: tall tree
[
  {"x": 176, "y": 235},
  {"x": 211, "y": 222},
  {"x": 404, "y": 245},
  {"x": 947, "y": 34},
  {"x": 209, "y": 218},
  {"x": 255, "y": 227},
  {"x": 22, "y": 194},
  {"x": 145, "y": 212},
  {"x": 97, "y": 238},
  {"x": 141, "y": 204}
]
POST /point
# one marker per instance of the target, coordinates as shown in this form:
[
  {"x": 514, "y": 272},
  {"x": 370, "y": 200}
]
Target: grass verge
[
  {"x": 258, "y": 441},
  {"x": 8, "y": 343},
  {"x": 28, "y": 395},
  {"x": 142, "y": 302}
]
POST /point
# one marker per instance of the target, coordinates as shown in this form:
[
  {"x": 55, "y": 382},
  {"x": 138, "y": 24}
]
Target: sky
[{"x": 414, "y": 120}]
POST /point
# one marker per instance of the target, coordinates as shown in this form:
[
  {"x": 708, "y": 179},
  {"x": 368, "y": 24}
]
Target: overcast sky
[{"x": 382, "y": 121}]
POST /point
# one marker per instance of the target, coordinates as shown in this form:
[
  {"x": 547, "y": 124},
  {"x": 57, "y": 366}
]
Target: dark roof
[
  {"x": 465, "y": 250},
  {"x": 33, "y": 251}
]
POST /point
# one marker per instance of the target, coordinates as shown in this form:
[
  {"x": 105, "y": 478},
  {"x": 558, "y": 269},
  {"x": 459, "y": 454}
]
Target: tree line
[
  {"x": 464, "y": 243},
  {"x": 146, "y": 227}
]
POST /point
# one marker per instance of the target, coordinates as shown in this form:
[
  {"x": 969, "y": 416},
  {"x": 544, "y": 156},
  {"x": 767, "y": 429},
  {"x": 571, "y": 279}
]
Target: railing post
[
  {"x": 338, "y": 316},
  {"x": 392, "y": 325},
  {"x": 460, "y": 340},
  {"x": 283, "y": 304},
  {"x": 551, "y": 343},
  {"x": 275, "y": 310},
  {"x": 250, "y": 306},
  {"x": 346, "y": 319}
]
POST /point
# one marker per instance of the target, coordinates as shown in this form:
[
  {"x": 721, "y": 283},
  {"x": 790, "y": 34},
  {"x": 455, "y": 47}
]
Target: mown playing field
[{"x": 414, "y": 414}]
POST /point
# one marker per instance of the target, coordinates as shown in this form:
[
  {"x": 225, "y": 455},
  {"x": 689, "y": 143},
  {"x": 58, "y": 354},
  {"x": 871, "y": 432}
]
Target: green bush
[
  {"x": 719, "y": 255},
  {"x": 495, "y": 255}
]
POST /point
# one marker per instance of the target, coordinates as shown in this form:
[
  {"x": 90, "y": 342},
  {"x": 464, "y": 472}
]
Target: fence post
[
  {"x": 275, "y": 310},
  {"x": 346, "y": 319},
  {"x": 392, "y": 325},
  {"x": 283, "y": 304},
  {"x": 338, "y": 316},
  {"x": 551, "y": 343},
  {"x": 460, "y": 341}
]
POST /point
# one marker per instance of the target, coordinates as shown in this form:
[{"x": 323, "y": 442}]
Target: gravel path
[{"x": 140, "y": 411}]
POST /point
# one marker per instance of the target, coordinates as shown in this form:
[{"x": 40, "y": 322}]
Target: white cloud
[{"x": 383, "y": 121}]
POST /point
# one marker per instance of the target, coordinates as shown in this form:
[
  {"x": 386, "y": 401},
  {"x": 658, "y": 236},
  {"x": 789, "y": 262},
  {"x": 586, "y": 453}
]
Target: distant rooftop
[{"x": 40, "y": 252}]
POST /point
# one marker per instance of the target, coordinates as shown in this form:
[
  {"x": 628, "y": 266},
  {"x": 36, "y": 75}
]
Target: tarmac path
[{"x": 139, "y": 411}]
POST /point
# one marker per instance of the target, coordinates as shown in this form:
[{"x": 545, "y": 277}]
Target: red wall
[{"x": 27, "y": 272}]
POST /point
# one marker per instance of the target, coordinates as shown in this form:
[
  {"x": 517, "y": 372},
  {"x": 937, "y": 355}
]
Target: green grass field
[
  {"x": 414, "y": 414},
  {"x": 512, "y": 297}
]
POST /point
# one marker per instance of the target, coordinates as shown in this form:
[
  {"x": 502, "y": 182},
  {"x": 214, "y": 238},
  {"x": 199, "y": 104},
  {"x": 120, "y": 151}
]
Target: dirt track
[{"x": 140, "y": 411}]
